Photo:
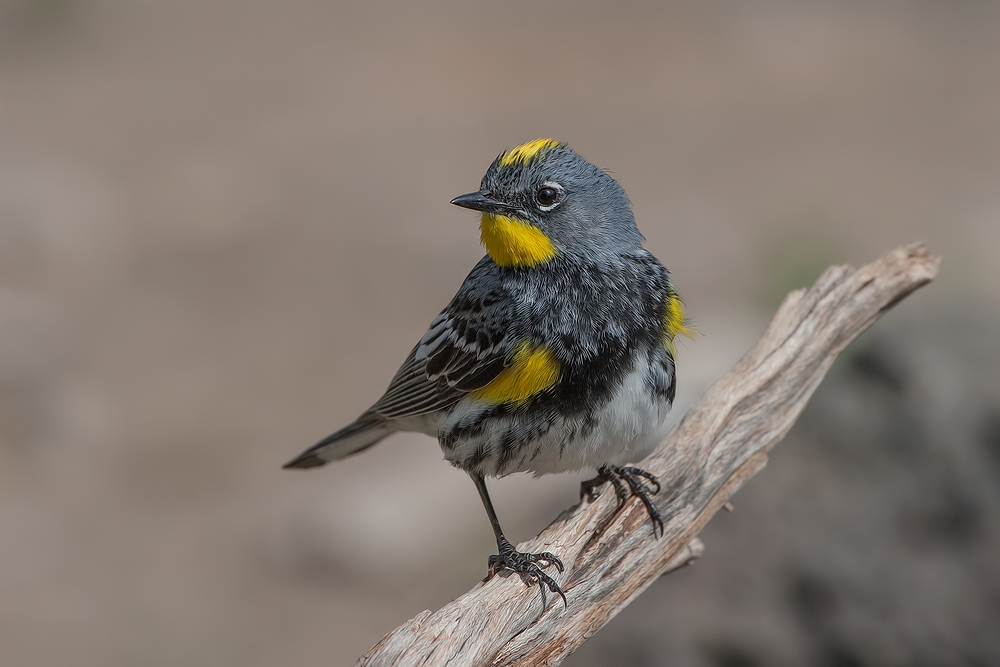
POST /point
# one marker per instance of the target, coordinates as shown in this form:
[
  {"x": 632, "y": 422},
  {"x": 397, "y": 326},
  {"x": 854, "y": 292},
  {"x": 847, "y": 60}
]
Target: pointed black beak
[{"x": 481, "y": 201}]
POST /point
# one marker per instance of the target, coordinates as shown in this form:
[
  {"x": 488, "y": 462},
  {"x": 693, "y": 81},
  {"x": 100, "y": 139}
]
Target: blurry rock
[
  {"x": 31, "y": 353},
  {"x": 60, "y": 224}
]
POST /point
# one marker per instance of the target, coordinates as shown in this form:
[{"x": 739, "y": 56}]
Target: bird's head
[{"x": 540, "y": 200}]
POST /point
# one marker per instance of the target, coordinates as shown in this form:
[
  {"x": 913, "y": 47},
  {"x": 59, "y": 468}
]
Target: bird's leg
[
  {"x": 509, "y": 558},
  {"x": 626, "y": 479}
]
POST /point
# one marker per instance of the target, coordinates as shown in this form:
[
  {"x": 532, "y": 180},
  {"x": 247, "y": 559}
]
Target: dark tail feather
[{"x": 353, "y": 438}]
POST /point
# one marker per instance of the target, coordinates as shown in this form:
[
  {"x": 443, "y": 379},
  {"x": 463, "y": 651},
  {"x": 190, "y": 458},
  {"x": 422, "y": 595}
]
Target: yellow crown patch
[{"x": 528, "y": 151}]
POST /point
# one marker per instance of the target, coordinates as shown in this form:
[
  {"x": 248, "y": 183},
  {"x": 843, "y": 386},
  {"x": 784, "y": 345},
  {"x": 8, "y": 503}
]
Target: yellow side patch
[
  {"x": 533, "y": 370},
  {"x": 514, "y": 242},
  {"x": 675, "y": 322},
  {"x": 527, "y": 151}
]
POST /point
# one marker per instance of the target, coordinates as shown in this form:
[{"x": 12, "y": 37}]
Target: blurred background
[{"x": 224, "y": 224}]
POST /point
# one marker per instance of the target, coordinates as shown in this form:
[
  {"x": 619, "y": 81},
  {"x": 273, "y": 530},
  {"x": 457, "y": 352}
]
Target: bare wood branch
[{"x": 722, "y": 441}]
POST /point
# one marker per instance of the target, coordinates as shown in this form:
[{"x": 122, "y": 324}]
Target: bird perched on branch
[{"x": 557, "y": 352}]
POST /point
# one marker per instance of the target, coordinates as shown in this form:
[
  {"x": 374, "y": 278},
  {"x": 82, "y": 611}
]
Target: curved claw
[
  {"x": 548, "y": 558},
  {"x": 526, "y": 565},
  {"x": 650, "y": 477},
  {"x": 626, "y": 479}
]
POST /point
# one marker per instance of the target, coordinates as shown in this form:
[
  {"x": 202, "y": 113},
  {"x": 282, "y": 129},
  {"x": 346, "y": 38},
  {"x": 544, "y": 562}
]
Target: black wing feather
[{"x": 465, "y": 348}]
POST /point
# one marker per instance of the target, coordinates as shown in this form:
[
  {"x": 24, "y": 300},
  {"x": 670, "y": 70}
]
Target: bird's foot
[
  {"x": 528, "y": 566},
  {"x": 627, "y": 480}
]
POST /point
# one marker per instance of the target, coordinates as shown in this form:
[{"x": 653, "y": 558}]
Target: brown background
[{"x": 223, "y": 225}]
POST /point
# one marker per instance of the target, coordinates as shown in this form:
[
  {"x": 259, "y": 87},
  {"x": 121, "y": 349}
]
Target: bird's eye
[{"x": 546, "y": 196}]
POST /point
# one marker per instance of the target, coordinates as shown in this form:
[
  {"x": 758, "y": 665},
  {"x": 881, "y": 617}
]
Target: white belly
[{"x": 625, "y": 430}]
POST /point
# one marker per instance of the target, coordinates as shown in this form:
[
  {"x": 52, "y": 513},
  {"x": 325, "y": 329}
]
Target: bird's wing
[{"x": 464, "y": 349}]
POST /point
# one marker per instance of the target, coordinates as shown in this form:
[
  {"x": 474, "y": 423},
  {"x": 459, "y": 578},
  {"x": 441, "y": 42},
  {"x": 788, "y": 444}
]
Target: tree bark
[{"x": 722, "y": 441}]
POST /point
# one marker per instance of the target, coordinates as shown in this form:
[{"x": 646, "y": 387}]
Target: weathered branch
[{"x": 722, "y": 441}]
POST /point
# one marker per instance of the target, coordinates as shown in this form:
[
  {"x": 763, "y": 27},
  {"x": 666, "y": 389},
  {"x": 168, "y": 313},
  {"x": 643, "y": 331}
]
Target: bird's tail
[{"x": 356, "y": 436}]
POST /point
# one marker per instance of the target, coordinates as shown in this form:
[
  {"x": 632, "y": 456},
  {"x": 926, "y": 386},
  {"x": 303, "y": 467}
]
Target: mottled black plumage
[{"x": 554, "y": 355}]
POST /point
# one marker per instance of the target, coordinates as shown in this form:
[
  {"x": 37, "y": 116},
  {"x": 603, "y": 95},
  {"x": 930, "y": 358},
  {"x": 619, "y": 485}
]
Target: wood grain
[{"x": 722, "y": 441}]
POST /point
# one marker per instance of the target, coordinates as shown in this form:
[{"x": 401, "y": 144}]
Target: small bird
[{"x": 555, "y": 355}]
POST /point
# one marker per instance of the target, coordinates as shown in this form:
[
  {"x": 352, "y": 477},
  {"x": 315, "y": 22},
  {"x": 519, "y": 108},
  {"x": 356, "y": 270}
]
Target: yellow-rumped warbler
[{"x": 555, "y": 355}]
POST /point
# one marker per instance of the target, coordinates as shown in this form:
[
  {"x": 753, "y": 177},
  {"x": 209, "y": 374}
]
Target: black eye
[{"x": 546, "y": 196}]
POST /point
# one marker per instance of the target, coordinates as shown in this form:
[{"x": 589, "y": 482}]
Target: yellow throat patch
[
  {"x": 514, "y": 242},
  {"x": 527, "y": 151},
  {"x": 533, "y": 370},
  {"x": 675, "y": 322}
]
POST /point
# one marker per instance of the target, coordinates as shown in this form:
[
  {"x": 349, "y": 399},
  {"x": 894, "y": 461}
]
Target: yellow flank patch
[
  {"x": 525, "y": 152},
  {"x": 675, "y": 322},
  {"x": 514, "y": 242},
  {"x": 533, "y": 370}
]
